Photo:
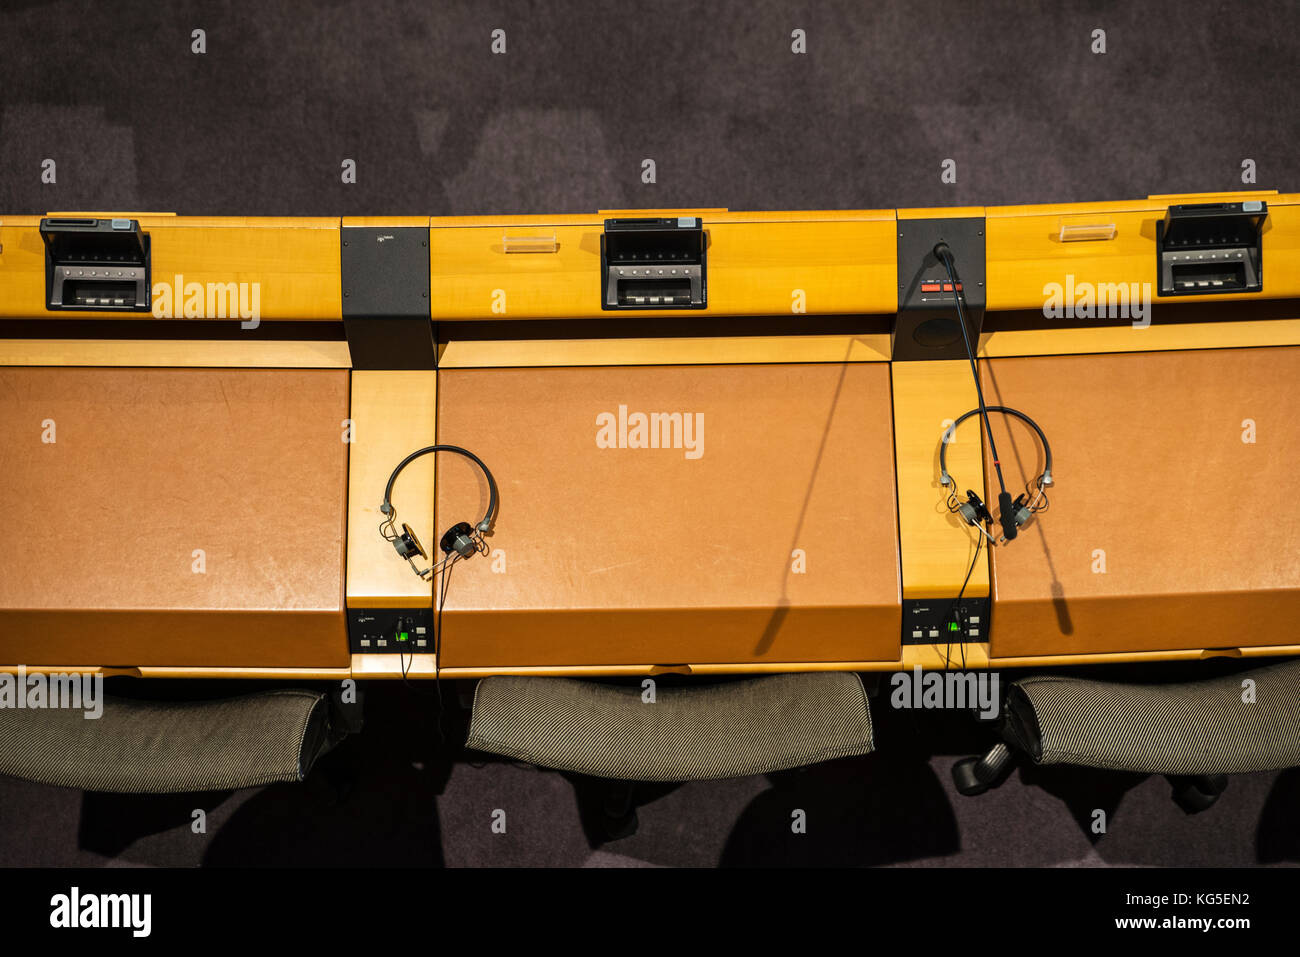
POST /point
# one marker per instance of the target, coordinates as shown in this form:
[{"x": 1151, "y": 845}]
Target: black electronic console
[
  {"x": 1206, "y": 249},
  {"x": 384, "y": 272},
  {"x": 941, "y": 621},
  {"x": 390, "y": 631},
  {"x": 654, "y": 263},
  {"x": 929, "y": 324},
  {"x": 96, "y": 264}
]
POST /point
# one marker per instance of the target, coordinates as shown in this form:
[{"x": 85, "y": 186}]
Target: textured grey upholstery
[
  {"x": 1201, "y": 727},
  {"x": 720, "y": 730},
  {"x": 156, "y": 747}
]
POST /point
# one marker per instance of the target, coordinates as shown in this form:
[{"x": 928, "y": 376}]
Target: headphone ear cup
[
  {"x": 459, "y": 539},
  {"x": 407, "y": 545},
  {"x": 1020, "y": 510},
  {"x": 974, "y": 510},
  {"x": 967, "y": 511}
]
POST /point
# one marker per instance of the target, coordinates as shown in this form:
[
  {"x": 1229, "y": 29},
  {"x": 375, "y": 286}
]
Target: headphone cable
[
  {"x": 954, "y": 611},
  {"x": 437, "y": 644}
]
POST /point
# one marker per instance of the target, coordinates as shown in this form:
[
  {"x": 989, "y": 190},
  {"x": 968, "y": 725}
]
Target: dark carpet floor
[
  {"x": 393, "y": 795},
  {"x": 437, "y": 124}
]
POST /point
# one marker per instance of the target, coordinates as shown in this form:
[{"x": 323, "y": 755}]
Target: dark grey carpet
[
  {"x": 394, "y": 796},
  {"x": 438, "y": 125},
  {"x": 561, "y": 122}
]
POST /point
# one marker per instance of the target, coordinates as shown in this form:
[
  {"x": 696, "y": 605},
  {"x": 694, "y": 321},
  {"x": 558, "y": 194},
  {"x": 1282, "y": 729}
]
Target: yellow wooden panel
[
  {"x": 510, "y": 353},
  {"x": 393, "y": 414},
  {"x": 1025, "y": 252},
  {"x": 842, "y": 266},
  {"x": 186, "y": 671},
  {"x": 936, "y": 657},
  {"x": 148, "y": 220},
  {"x": 372, "y": 221},
  {"x": 942, "y": 212},
  {"x": 1228, "y": 334},
  {"x": 928, "y": 657},
  {"x": 1156, "y": 201},
  {"x": 293, "y": 261},
  {"x": 394, "y": 666},
  {"x": 937, "y": 547},
  {"x": 176, "y": 353},
  {"x": 710, "y": 216}
]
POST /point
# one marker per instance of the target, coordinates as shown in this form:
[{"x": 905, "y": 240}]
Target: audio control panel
[
  {"x": 407, "y": 631},
  {"x": 931, "y": 621},
  {"x": 928, "y": 322}
]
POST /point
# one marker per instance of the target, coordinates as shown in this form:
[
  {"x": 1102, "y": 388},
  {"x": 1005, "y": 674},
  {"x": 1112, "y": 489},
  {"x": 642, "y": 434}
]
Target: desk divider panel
[
  {"x": 937, "y": 549},
  {"x": 393, "y": 414}
]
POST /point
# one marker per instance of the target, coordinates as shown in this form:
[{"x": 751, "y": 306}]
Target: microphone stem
[{"x": 945, "y": 256}]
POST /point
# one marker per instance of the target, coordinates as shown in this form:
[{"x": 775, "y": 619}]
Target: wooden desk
[
  {"x": 773, "y": 541},
  {"x": 178, "y": 517},
  {"x": 637, "y": 561},
  {"x": 1172, "y": 524}
]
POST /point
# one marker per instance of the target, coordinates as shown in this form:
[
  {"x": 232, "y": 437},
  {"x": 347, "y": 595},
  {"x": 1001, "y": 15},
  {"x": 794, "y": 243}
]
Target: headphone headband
[
  {"x": 1045, "y": 480},
  {"x": 489, "y": 516}
]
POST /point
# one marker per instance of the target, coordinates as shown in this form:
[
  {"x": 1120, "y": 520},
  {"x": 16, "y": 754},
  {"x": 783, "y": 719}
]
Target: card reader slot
[
  {"x": 89, "y": 292},
  {"x": 1209, "y": 277},
  {"x": 654, "y": 292}
]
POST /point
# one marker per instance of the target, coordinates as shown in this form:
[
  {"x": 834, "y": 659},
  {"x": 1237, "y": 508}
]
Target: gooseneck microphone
[{"x": 1006, "y": 511}]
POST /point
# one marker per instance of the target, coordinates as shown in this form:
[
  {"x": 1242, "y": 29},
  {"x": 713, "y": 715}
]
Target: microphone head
[{"x": 1007, "y": 515}]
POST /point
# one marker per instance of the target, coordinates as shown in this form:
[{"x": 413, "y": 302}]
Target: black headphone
[
  {"x": 461, "y": 539},
  {"x": 974, "y": 511}
]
